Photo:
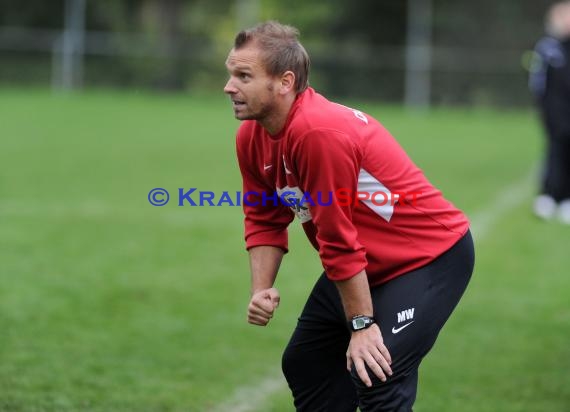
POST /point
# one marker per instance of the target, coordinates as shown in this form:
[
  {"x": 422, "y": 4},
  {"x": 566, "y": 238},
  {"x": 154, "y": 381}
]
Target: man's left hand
[{"x": 367, "y": 348}]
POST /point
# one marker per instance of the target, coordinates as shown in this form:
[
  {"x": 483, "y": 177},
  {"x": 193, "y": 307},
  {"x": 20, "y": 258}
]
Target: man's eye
[{"x": 244, "y": 76}]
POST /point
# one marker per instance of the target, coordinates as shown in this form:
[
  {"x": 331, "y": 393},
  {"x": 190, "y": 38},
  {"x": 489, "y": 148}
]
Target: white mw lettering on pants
[{"x": 405, "y": 315}]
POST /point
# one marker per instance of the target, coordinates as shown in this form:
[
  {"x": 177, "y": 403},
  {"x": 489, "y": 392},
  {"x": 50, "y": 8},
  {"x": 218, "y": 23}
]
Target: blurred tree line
[{"x": 357, "y": 47}]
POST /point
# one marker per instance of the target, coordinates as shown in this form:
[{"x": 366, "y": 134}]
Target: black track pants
[
  {"x": 556, "y": 174},
  {"x": 410, "y": 310}
]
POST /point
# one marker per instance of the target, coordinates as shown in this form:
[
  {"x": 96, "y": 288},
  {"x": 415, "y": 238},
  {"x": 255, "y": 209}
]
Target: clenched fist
[{"x": 262, "y": 305}]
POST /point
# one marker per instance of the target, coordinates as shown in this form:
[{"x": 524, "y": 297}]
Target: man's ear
[{"x": 287, "y": 82}]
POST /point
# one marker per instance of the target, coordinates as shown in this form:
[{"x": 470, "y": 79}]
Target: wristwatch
[{"x": 360, "y": 322}]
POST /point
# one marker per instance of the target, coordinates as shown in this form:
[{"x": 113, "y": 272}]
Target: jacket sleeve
[
  {"x": 328, "y": 161},
  {"x": 266, "y": 219}
]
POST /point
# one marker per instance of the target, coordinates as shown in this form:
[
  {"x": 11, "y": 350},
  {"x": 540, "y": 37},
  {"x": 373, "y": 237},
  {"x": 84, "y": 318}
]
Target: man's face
[{"x": 251, "y": 89}]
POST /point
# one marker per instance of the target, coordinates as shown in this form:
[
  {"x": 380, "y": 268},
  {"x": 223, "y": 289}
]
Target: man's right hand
[{"x": 262, "y": 305}]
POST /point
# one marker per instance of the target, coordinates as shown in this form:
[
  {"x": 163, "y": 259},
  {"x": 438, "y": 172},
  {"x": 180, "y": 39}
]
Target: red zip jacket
[{"x": 325, "y": 156}]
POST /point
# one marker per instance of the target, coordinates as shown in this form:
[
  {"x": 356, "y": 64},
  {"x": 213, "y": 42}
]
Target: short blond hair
[
  {"x": 280, "y": 48},
  {"x": 557, "y": 22}
]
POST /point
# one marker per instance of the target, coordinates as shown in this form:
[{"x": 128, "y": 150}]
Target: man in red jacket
[{"x": 397, "y": 256}]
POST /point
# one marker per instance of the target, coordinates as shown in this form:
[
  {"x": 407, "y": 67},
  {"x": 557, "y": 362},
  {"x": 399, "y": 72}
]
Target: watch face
[{"x": 358, "y": 323}]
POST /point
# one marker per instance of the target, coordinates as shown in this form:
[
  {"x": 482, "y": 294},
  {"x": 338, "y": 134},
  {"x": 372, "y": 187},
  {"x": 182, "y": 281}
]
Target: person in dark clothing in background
[{"x": 549, "y": 82}]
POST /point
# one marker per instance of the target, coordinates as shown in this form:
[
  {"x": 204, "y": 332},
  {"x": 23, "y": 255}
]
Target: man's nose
[{"x": 229, "y": 88}]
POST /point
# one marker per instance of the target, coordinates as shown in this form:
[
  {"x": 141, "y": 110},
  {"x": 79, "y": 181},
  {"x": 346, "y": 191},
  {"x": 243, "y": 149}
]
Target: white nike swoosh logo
[
  {"x": 267, "y": 167},
  {"x": 394, "y": 330}
]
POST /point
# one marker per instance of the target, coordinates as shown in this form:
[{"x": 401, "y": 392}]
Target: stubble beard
[{"x": 265, "y": 110}]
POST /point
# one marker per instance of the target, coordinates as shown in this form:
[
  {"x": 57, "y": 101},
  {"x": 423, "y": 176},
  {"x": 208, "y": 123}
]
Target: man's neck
[{"x": 275, "y": 122}]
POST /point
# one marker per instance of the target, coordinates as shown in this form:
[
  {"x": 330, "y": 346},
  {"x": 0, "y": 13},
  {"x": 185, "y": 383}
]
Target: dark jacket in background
[{"x": 550, "y": 84}]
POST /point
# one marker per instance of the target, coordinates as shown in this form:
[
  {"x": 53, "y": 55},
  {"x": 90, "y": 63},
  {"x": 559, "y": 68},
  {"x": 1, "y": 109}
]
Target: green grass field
[{"x": 110, "y": 304}]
